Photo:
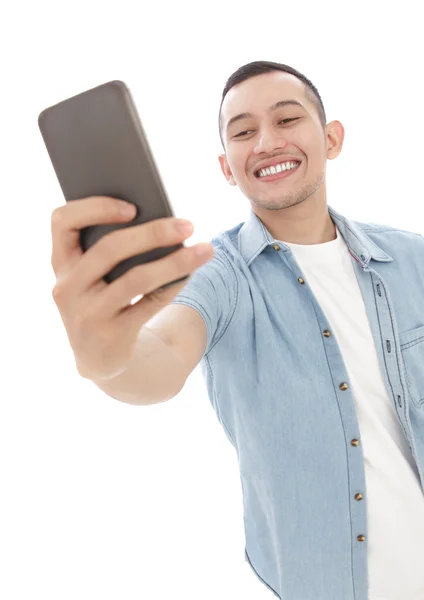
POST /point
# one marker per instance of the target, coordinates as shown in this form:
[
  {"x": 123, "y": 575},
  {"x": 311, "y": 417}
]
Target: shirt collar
[{"x": 254, "y": 238}]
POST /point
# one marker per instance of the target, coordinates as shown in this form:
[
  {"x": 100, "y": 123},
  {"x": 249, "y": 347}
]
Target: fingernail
[
  {"x": 203, "y": 249},
  {"x": 127, "y": 209},
  {"x": 184, "y": 226}
]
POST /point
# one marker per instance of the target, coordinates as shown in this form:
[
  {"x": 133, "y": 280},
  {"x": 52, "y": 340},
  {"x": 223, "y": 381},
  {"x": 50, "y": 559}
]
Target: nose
[{"x": 269, "y": 141}]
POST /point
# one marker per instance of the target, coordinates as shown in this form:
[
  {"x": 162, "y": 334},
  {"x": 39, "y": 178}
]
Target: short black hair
[{"x": 262, "y": 66}]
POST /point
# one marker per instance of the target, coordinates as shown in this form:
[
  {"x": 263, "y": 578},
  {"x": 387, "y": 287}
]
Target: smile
[{"x": 279, "y": 171}]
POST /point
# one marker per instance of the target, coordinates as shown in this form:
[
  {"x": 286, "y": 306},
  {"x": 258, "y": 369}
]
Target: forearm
[{"x": 154, "y": 375}]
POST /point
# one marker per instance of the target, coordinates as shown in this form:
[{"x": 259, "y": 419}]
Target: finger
[
  {"x": 68, "y": 220},
  {"x": 119, "y": 245},
  {"x": 146, "y": 279}
]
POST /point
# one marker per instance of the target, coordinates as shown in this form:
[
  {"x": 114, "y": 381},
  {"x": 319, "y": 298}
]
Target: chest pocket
[{"x": 412, "y": 346}]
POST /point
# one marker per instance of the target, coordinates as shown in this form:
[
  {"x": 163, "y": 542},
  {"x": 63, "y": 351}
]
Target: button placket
[{"x": 343, "y": 386}]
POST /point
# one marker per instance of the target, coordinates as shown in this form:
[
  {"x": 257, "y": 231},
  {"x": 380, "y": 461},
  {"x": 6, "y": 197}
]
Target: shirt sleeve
[{"x": 211, "y": 290}]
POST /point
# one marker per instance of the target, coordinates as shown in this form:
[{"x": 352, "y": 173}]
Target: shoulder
[{"x": 390, "y": 233}]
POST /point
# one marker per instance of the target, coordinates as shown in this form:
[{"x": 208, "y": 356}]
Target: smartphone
[{"x": 98, "y": 147}]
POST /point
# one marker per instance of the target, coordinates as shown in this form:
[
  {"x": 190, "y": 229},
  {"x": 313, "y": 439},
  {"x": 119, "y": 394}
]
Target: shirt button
[
  {"x": 344, "y": 386},
  {"x": 327, "y": 333},
  {"x": 358, "y": 496},
  {"x": 301, "y": 281},
  {"x": 360, "y": 538},
  {"x": 354, "y": 442},
  {"x": 276, "y": 246}
]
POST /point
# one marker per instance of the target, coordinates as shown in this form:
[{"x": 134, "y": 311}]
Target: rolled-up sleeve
[{"x": 212, "y": 291}]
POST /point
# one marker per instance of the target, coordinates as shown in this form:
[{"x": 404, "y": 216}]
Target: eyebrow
[{"x": 279, "y": 104}]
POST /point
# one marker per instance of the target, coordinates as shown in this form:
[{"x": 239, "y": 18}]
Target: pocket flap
[{"x": 413, "y": 335}]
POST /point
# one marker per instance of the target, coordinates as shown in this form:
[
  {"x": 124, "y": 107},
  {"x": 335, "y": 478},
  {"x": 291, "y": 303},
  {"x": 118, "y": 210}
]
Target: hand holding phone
[{"x": 104, "y": 259}]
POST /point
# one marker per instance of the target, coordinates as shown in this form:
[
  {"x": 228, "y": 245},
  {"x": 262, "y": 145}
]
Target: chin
[{"x": 269, "y": 202}]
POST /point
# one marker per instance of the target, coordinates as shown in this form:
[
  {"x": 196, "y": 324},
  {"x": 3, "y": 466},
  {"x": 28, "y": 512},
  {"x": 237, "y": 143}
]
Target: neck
[{"x": 306, "y": 223}]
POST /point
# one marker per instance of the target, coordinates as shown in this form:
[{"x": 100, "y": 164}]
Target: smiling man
[{"x": 313, "y": 357}]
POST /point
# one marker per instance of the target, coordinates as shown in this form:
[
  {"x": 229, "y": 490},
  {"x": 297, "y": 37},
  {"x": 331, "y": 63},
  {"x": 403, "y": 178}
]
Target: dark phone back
[{"x": 98, "y": 147}]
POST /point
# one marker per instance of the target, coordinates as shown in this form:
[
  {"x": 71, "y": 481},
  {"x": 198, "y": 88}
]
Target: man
[{"x": 309, "y": 328}]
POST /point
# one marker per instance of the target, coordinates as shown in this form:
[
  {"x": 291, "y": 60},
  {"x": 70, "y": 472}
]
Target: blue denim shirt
[{"x": 259, "y": 361}]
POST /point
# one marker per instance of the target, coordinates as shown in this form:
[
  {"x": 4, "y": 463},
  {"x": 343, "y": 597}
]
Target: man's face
[{"x": 272, "y": 136}]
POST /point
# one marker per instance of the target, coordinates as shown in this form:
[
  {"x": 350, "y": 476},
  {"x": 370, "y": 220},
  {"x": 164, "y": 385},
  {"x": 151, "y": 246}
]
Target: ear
[
  {"x": 335, "y": 137},
  {"x": 226, "y": 169}
]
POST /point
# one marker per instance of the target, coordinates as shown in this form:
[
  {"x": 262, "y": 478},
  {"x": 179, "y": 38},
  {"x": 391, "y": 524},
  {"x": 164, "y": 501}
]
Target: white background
[{"x": 100, "y": 499}]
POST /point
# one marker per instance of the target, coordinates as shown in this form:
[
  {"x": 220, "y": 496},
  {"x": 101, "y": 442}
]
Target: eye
[
  {"x": 288, "y": 120},
  {"x": 243, "y": 133}
]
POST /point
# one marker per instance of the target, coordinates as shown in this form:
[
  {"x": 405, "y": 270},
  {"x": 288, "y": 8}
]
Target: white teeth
[{"x": 278, "y": 169}]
